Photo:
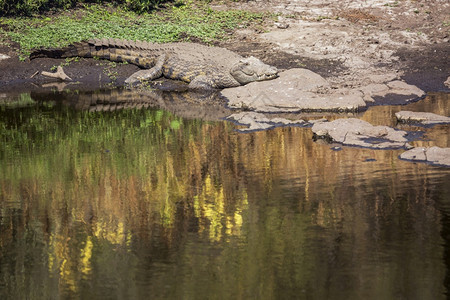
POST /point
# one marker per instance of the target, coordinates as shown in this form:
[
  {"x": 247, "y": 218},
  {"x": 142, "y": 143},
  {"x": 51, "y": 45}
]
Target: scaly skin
[{"x": 201, "y": 66}]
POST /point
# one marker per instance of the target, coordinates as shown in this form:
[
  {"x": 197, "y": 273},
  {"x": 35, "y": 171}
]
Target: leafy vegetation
[
  {"x": 189, "y": 21},
  {"x": 29, "y": 7}
]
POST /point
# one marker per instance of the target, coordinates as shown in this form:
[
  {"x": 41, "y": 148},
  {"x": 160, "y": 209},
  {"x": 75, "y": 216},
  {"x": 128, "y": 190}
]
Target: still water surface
[{"x": 145, "y": 204}]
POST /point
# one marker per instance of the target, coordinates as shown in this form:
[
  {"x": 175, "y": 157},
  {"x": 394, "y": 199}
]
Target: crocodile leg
[
  {"x": 207, "y": 82},
  {"x": 149, "y": 74},
  {"x": 202, "y": 82}
]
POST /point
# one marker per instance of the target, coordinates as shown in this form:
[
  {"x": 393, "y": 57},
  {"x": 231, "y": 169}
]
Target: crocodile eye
[
  {"x": 248, "y": 72},
  {"x": 243, "y": 62}
]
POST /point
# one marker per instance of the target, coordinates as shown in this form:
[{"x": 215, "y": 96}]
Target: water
[{"x": 102, "y": 202}]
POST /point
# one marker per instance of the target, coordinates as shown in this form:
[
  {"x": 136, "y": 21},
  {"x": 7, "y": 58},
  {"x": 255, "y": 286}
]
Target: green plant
[
  {"x": 320, "y": 18},
  {"x": 392, "y": 4},
  {"x": 110, "y": 72},
  {"x": 66, "y": 63},
  {"x": 30, "y": 7},
  {"x": 94, "y": 21}
]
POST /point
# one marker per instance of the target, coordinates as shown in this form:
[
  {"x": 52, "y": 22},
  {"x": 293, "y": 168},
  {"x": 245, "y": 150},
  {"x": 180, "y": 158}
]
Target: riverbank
[
  {"x": 342, "y": 57},
  {"x": 345, "y": 42}
]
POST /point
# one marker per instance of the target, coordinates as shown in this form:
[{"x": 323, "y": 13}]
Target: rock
[
  {"x": 421, "y": 117},
  {"x": 447, "y": 82},
  {"x": 381, "y": 78},
  {"x": 317, "y": 121},
  {"x": 281, "y": 25},
  {"x": 394, "y": 92},
  {"x": 356, "y": 132},
  {"x": 284, "y": 121},
  {"x": 258, "y": 121},
  {"x": 4, "y": 56},
  {"x": 303, "y": 90},
  {"x": 373, "y": 89},
  {"x": 433, "y": 155},
  {"x": 254, "y": 121},
  {"x": 295, "y": 90}
]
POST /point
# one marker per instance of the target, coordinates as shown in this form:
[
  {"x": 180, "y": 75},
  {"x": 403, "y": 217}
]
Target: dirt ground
[
  {"x": 344, "y": 41},
  {"x": 350, "y": 40}
]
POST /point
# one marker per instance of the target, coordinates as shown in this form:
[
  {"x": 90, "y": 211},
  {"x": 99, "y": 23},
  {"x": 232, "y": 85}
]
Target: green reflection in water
[{"x": 132, "y": 204}]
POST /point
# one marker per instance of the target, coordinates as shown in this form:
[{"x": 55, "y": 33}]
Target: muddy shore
[{"x": 344, "y": 42}]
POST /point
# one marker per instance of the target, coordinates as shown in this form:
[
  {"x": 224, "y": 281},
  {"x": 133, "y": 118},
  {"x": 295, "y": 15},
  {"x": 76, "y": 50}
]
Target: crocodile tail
[
  {"x": 137, "y": 53},
  {"x": 101, "y": 48},
  {"x": 81, "y": 49}
]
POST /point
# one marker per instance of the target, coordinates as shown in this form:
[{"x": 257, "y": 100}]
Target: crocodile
[{"x": 202, "y": 67}]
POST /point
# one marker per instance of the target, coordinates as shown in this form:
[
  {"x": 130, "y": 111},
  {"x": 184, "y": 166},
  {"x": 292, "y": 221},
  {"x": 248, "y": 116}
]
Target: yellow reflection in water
[
  {"x": 267, "y": 188},
  {"x": 60, "y": 260},
  {"x": 211, "y": 211},
  {"x": 115, "y": 234},
  {"x": 86, "y": 256}
]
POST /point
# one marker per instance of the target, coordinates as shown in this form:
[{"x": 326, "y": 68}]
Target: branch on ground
[{"x": 59, "y": 74}]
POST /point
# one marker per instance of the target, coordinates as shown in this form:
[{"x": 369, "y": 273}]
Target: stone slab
[
  {"x": 293, "y": 91},
  {"x": 393, "y": 92},
  {"x": 432, "y": 155},
  {"x": 425, "y": 118},
  {"x": 356, "y": 132},
  {"x": 258, "y": 121}
]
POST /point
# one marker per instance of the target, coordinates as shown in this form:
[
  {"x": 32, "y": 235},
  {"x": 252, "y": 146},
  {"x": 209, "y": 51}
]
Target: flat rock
[
  {"x": 421, "y": 117},
  {"x": 258, "y": 121},
  {"x": 294, "y": 90},
  {"x": 4, "y": 56},
  {"x": 381, "y": 78},
  {"x": 432, "y": 155},
  {"x": 303, "y": 90},
  {"x": 356, "y": 132},
  {"x": 393, "y": 92}
]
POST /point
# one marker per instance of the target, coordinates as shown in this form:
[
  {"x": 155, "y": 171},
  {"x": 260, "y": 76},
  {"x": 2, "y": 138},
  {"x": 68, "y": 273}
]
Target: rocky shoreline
[
  {"x": 341, "y": 56},
  {"x": 298, "y": 90}
]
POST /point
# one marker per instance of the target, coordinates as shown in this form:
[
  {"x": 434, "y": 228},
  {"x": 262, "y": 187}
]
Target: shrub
[
  {"x": 29, "y": 7},
  {"x": 142, "y": 5}
]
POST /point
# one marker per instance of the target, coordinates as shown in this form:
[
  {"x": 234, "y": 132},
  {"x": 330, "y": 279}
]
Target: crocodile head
[{"x": 252, "y": 69}]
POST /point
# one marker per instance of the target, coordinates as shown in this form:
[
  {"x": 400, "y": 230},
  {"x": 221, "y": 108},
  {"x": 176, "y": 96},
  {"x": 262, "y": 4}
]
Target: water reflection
[
  {"x": 131, "y": 204},
  {"x": 205, "y": 105}
]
